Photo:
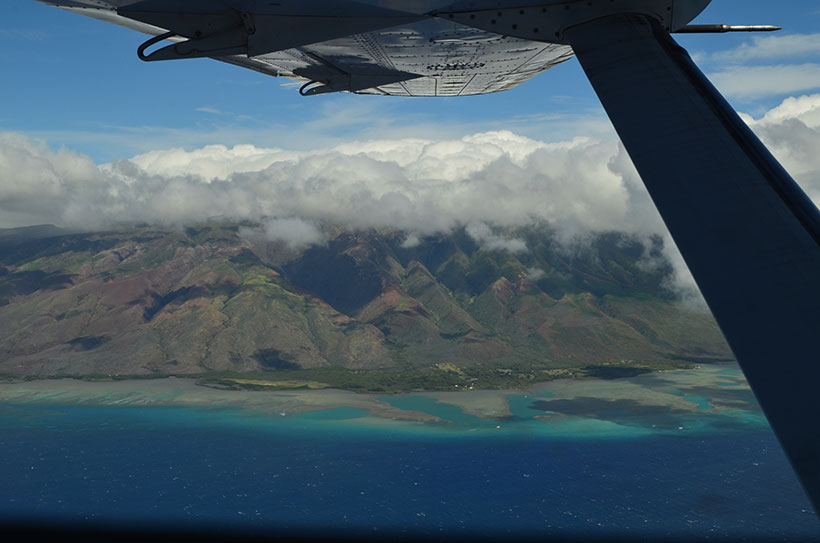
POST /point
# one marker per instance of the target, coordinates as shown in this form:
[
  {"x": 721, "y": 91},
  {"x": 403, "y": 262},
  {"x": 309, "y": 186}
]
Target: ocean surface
[{"x": 680, "y": 455}]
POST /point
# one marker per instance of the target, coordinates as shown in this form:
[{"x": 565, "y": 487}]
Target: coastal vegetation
[{"x": 441, "y": 377}]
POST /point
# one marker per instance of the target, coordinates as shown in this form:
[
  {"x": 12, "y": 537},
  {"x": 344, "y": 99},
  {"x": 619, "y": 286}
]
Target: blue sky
[{"x": 76, "y": 82}]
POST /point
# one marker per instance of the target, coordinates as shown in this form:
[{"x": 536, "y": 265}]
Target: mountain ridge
[{"x": 221, "y": 298}]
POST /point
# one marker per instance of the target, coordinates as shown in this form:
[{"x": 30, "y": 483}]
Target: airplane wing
[
  {"x": 407, "y": 61},
  {"x": 369, "y": 50}
]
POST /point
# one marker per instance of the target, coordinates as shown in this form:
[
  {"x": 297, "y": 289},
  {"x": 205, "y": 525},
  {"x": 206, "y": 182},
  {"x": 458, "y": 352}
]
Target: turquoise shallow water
[
  {"x": 521, "y": 405},
  {"x": 447, "y": 412},
  {"x": 701, "y": 401},
  {"x": 553, "y": 466},
  {"x": 324, "y": 472}
]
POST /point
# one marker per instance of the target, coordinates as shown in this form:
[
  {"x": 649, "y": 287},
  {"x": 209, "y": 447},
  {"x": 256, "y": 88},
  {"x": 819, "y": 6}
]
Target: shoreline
[
  {"x": 441, "y": 378},
  {"x": 662, "y": 401}
]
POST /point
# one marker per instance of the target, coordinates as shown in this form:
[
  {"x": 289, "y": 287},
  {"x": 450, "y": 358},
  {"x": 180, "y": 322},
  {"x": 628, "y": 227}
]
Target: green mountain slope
[{"x": 214, "y": 299}]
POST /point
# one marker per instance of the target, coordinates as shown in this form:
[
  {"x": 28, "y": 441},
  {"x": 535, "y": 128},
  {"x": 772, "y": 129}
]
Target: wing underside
[{"x": 426, "y": 57}]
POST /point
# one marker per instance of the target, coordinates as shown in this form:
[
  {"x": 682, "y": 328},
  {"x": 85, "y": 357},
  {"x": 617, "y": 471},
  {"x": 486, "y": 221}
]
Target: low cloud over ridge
[
  {"x": 420, "y": 186},
  {"x": 415, "y": 185}
]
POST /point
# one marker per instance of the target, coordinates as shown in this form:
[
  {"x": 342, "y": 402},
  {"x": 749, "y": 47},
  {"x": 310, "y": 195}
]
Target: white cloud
[
  {"x": 209, "y": 109},
  {"x": 792, "y": 132},
  {"x": 804, "y": 109},
  {"x": 293, "y": 231},
  {"x": 534, "y": 274},
  {"x": 212, "y": 161},
  {"x": 767, "y": 48},
  {"x": 420, "y": 186},
  {"x": 484, "y": 235},
  {"x": 749, "y": 82},
  {"x": 767, "y": 66},
  {"x": 412, "y": 240}
]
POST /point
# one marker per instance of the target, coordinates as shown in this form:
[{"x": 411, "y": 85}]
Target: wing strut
[{"x": 748, "y": 233}]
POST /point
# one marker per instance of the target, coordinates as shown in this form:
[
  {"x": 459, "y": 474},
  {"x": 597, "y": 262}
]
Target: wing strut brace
[{"x": 748, "y": 233}]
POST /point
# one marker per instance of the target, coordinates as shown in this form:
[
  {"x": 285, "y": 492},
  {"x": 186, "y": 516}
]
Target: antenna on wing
[{"x": 720, "y": 29}]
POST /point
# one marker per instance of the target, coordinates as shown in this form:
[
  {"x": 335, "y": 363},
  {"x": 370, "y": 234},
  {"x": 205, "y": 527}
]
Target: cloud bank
[{"x": 416, "y": 185}]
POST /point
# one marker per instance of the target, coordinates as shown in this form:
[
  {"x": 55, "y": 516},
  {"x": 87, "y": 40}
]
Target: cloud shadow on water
[{"x": 623, "y": 412}]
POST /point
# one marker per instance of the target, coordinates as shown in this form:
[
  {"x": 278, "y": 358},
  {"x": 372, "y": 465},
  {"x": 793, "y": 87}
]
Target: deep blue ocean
[{"x": 220, "y": 469}]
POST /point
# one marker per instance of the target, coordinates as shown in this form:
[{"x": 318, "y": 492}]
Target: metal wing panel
[
  {"x": 455, "y": 60},
  {"x": 431, "y": 57},
  {"x": 444, "y": 58}
]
